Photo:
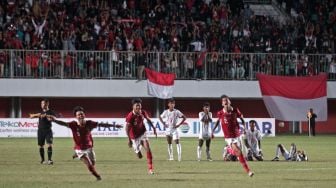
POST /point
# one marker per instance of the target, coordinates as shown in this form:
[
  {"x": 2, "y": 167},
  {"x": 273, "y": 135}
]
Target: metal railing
[{"x": 186, "y": 65}]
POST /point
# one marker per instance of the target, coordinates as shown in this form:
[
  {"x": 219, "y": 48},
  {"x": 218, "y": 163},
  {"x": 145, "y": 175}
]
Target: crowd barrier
[{"x": 185, "y": 65}]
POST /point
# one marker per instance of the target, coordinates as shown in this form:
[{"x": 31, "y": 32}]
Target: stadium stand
[{"x": 105, "y": 38}]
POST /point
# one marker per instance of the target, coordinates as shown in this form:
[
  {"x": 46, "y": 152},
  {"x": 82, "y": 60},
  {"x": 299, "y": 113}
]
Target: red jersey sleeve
[
  {"x": 219, "y": 113},
  {"x": 72, "y": 124},
  {"x": 129, "y": 117},
  {"x": 145, "y": 114},
  {"x": 92, "y": 124}
]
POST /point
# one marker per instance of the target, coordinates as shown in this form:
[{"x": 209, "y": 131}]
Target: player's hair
[
  {"x": 45, "y": 100},
  {"x": 77, "y": 109},
  {"x": 136, "y": 100},
  {"x": 171, "y": 100},
  {"x": 224, "y": 96},
  {"x": 252, "y": 121},
  {"x": 206, "y": 104}
]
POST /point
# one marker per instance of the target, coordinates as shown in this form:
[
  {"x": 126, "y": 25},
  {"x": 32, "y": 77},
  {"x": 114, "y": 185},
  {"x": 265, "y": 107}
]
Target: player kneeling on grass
[
  {"x": 136, "y": 132},
  {"x": 252, "y": 141},
  {"x": 292, "y": 155},
  {"x": 81, "y": 131}
]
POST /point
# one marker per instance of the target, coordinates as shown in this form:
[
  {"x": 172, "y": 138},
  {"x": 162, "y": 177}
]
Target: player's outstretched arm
[
  {"x": 59, "y": 122},
  {"x": 101, "y": 124},
  {"x": 37, "y": 115}
]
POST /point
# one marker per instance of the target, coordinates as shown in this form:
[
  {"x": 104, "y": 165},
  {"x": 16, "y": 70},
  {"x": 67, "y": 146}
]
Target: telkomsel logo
[{"x": 18, "y": 124}]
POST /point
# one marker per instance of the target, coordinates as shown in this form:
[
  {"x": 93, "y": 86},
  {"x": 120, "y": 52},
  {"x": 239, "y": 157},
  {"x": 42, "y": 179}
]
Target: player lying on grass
[
  {"x": 292, "y": 155},
  {"x": 81, "y": 131}
]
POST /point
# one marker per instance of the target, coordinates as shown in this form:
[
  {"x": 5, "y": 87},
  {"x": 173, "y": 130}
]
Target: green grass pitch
[{"x": 119, "y": 167}]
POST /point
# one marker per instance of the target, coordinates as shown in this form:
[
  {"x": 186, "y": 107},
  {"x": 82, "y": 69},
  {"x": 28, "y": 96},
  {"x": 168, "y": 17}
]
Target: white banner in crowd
[{"x": 28, "y": 127}]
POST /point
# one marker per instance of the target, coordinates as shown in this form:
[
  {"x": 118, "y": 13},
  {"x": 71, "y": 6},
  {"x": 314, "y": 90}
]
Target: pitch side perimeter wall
[
  {"x": 190, "y": 128},
  {"x": 131, "y": 88},
  {"x": 65, "y": 94}
]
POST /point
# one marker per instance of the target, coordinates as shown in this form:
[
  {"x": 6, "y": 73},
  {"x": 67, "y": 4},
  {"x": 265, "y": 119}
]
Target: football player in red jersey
[
  {"x": 136, "y": 131},
  {"x": 230, "y": 126},
  {"x": 81, "y": 131}
]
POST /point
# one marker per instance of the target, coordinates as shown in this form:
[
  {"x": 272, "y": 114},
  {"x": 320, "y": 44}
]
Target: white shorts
[
  {"x": 88, "y": 152},
  {"x": 204, "y": 136},
  {"x": 230, "y": 141},
  {"x": 173, "y": 133},
  {"x": 286, "y": 155},
  {"x": 136, "y": 143}
]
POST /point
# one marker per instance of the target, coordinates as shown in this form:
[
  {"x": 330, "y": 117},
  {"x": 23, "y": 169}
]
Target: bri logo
[{"x": 184, "y": 127}]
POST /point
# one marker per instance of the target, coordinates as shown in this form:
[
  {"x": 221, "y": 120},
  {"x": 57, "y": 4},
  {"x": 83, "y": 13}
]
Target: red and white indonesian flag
[
  {"x": 289, "y": 98},
  {"x": 159, "y": 84}
]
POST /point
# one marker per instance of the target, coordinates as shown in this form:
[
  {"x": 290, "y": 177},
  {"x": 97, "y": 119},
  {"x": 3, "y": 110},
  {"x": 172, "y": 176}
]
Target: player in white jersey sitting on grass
[
  {"x": 205, "y": 118},
  {"x": 252, "y": 141}
]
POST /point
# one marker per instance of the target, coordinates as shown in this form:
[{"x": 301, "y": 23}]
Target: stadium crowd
[{"x": 218, "y": 26}]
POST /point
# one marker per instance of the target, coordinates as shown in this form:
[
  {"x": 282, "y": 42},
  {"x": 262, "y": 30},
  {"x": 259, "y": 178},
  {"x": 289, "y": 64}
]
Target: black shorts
[{"x": 44, "y": 135}]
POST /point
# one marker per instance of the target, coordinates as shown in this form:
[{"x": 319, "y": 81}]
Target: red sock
[
  {"x": 91, "y": 167},
  {"x": 149, "y": 160},
  {"x": 243, "y": 162},
  {"x": 93, "y": 171}
]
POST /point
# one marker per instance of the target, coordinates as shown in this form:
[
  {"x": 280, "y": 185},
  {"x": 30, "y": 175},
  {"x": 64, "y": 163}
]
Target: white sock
[
  {"x": 179, "y": 151},
  {"x": 170, "y": 151},
  {"x": 277, "y": 152},
  {"x": 199, "y": 152}
]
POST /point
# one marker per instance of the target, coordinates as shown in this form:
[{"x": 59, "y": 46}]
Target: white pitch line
[{"x": 304, "y": 169}]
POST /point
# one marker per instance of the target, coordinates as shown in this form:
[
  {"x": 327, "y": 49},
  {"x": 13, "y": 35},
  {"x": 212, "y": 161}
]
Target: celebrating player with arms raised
[{"x": 81, "y": 131}]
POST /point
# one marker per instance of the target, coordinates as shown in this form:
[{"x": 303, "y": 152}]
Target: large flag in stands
[
  {"x": 289, "y": 98},
  {"x": 159, "y": 84}
]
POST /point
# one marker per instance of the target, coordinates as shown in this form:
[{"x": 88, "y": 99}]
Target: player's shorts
[
  {"x": 44, "y": 136},
  {"x": 286, "y": 155},
  {"x": 255, "y": 148},
  {"x": 88, "y": 152},
  {"x": 136, "y": 143},
  {"x": 230, "y": 141},
  {"x": 173, "y": 133},
  {"x": 204, "y": 136}
]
